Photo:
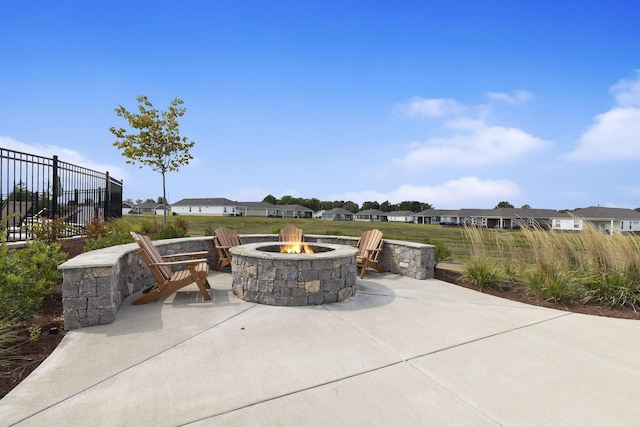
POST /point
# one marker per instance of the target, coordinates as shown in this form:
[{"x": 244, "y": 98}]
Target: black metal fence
[{"x": 35, "y": 188}]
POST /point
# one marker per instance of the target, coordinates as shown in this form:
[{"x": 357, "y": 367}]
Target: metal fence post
[{"x": 56, "y": 188}]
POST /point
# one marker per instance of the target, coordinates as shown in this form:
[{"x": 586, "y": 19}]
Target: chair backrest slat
[
  {"x": 150, "y": 256},
  {"x": 227, "y": 237},
  {"x": 371, "y": 240},
  {"x": 291, "y": 234}
]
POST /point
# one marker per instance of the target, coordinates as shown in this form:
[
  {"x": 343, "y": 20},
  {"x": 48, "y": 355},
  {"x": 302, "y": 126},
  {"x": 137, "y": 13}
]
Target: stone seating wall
[{"x": 95, "y": 283}]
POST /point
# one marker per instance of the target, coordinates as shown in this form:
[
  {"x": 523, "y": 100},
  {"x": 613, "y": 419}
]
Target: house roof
[
  {"x": 401, "y": 213},
  {"x": 372, "y": 212},
  {"x": 258, "y": 205},
  {"x": 597, "y": 212},
  {"x": 216, "y": 201},
  {"x": 149, "y": 205},
  {"x": 434, "y": 212},
  {"x": 293, "y": 208},
  {"x": 338, "y": 211}
]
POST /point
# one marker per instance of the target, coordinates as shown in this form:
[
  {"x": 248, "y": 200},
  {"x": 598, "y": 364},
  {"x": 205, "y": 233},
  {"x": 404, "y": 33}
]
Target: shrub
[
  {"x": 169, "y": 232},
  {"x": 96, "y": 229},
  {"x": 114, "y": 238},
  {"x": 182, "y": 224},
  {"x": 26, "y": 276},
  {"x": 34, "y": 333},
  {"x": 441, "y": 252},
  {"x": 50, "y": 230}
]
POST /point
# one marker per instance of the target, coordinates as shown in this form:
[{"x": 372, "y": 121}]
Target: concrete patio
[{"x": 400, "y": 352}]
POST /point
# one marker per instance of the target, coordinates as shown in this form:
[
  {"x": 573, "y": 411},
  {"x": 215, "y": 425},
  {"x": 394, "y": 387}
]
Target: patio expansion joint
[
  {"x": 482, "y": 338},
  {"x": 292, "y": 393},
  {"x": 128, "y": 368}
]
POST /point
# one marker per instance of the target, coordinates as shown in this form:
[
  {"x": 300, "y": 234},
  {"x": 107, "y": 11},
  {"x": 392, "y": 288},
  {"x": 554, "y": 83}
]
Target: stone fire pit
[{"x": 262, "y": 274}]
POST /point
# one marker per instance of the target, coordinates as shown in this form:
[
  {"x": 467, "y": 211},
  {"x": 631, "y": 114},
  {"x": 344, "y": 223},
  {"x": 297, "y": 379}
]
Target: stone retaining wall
[{"x": 95, "y": 283}]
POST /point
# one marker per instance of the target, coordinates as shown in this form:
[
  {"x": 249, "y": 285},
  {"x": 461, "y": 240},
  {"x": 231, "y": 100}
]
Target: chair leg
[
  {"x": 201, "y": 281},
  {"x": 363, "y": 270}
]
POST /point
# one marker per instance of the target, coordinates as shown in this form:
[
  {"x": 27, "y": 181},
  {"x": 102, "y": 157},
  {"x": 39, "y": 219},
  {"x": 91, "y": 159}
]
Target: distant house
[
  {"x": 127, "y": 208},
  {"x": 152, "y": 208},
  {"x": 371, "y": 215},
  {"x": 211, "y": 207},
  {"x": 293, "y": 211},
  {"x": 260, "y": 209},
  {"x": 337, "y": 214},
  {"x": 566, "y": 222},
  {"x": 608, "y": 220},
  {"x": 511, "y": 218},
  {"x": 402, "y": 216},
  {"x": 434, "y": 216},
  {"x": 501, "y": 218}
]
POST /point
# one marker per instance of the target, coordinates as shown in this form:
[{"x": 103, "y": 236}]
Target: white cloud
[
  {"x": 64, "y": 154},
  {"x": 627, "y": 91},
  {"x": 614, "y": 134},
  {"x": 469, "y": 138},
  {"x": 516, "y": 97},
  {"x": 475, "y": 144},
  {"x": 421, "y": 107},
  {"x": 468, "y": 191}
]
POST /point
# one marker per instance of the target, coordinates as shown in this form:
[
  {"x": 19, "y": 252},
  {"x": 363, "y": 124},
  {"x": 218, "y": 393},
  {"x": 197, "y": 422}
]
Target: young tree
[{"x": 158, "y": 143}]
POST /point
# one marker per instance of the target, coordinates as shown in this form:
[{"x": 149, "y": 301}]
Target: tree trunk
[{"x": 164, "y": 198}]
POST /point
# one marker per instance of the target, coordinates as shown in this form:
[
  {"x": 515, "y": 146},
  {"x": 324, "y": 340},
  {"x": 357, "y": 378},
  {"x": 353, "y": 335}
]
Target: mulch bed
[{"x": 520, "y": 293}]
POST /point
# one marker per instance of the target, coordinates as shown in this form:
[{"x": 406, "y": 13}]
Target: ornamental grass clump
[
  {"x": 10, "y": 340},
  {"x": 553, "y": 284},
  {"x": 482, "y": 273},
  {"x": 612, "y": 289},
  {"x": 479, "y": 269},
  {"x": 589, "y": 266}
]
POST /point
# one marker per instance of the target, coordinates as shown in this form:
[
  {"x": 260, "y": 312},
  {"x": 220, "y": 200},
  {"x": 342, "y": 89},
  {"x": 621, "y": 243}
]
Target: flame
[{"x": 296, "y": 248}]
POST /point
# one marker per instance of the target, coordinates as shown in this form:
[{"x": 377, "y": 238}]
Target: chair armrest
[
  {"x": 183, "y": 262},
  {"x": 189, "y": 254}
]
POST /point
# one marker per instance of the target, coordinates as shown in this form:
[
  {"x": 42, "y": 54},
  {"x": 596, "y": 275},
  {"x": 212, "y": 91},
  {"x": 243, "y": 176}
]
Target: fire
[{"x": 296, "y": 248}]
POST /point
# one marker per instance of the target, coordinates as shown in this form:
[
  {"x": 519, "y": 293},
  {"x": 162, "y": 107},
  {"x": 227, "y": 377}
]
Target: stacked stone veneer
[
  {"x": 95, "y": 283},
  {"x": 293, "y": 279}
]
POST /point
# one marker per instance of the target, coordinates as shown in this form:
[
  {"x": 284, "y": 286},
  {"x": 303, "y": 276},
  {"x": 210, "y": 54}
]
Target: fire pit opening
[
  {"x": 294, "y": 248},
  {"x": 264, "y": 274}
]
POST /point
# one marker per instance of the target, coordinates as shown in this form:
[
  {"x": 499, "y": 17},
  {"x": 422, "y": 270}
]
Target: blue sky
[{"x": 460, "y": 104}]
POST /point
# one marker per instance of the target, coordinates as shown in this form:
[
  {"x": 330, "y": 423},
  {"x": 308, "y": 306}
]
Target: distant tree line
[{"x": 316, "y": 204}]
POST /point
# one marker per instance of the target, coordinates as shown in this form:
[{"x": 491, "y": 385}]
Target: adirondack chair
[
  {"x": 224, "y": 239},
  {"x": 167, "y": 281},
  {"x": 291, "y": 234},
  {"x": 369, "y": 249}
]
